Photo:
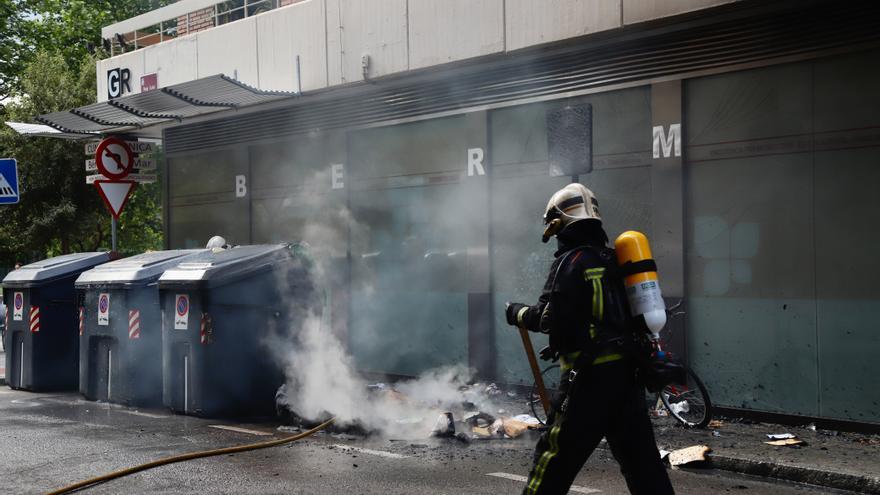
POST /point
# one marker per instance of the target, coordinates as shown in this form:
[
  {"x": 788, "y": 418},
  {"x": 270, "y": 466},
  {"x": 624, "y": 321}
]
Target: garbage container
[
  {"x": 41, "y": 340},
  {"x": 222, "y": 311},
  {"x": 120, "y": 339}
]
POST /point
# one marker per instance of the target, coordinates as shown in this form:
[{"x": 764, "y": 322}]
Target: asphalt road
[{"x": 51, "y": 440}]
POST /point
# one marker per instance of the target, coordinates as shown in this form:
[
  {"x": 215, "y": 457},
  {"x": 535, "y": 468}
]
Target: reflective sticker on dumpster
[
  {"x": 104, "y": 309},
  {"x": 18, "y": 306},
  {"x": 181, "y": 312}
]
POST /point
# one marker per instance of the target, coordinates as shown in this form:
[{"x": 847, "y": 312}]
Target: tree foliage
[{"x": 47, "y": 65}]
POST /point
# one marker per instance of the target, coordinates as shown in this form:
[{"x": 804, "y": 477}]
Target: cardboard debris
[
  {"x": 514, "y": 428},
  {"x": 482, "y": 432},
  {"x": 785, "y": 442},
  {"x": 715, "y": 423},
  {"x": 688, "y": 455}
]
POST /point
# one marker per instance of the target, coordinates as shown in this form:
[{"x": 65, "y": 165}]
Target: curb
[{"x": 828, "y": 479}]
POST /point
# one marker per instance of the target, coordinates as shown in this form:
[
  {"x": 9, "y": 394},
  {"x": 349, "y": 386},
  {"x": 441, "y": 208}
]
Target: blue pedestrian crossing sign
[{"x": 8, "y": 181}]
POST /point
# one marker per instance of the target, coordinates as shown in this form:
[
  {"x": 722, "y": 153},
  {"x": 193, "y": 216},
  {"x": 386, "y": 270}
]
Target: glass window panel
[
  {"x": 747, "y": 105},
  {"x": 293, "y": 197},
  {"x": 751, "y": 316},
  {"x": 418, "y": 148},
  {"x": 846, "y": 95},
  {"x": 619, "y": 122},
  {"x": 780, "y": 264},
  {"x": 192, "y": 225},
  {"x": 847, "y": 271},
  {"x": 409, "y": 246},
  {"x": 521, "y": 187},
  {"x": 203, "y": 201}
]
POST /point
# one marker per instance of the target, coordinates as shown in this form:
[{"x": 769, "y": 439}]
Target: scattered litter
[
  {"x": 688, "y": 455},
  {"x": 289, "y": 429},
  {"x": 659, "y": 410},
  {"x": 664, "y": 454},
  {"x": 680, "y": 407},
  {"x": 716, "y": 434},
  {"x": 525, "y": 418},
  {"x": 715, "y": 423},
  {"x": 868, "y": 441},
  {"x": 781, "y": 436},
  {"x": 482, "y": 432},
  {"x": 377, "y": 386},
  {"x": 811, "y": 427},
  {"x": 492, "y": 389},
  {"x": 479, "y": 419},
  {"x": 444, "y": 426},
  {"x": 514, "y": 428},
  {"x": 786, "y": 442},
  {"x": 511, "y": 394},
  {"x": 496, "y": 427}
]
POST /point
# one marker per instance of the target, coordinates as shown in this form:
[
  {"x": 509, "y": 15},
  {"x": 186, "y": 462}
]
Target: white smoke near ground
[{"x": 322, "y": 379}]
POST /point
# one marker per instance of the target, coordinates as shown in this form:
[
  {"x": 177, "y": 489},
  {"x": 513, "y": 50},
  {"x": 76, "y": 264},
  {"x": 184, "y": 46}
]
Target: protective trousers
[{"x": 603, "y": 401}]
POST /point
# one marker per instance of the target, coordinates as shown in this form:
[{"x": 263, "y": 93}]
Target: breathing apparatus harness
[{"x": 619, "y": 331}]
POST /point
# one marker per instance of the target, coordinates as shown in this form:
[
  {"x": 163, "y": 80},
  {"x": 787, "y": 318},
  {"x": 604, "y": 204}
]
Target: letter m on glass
[{"x": 667, "y": 142}]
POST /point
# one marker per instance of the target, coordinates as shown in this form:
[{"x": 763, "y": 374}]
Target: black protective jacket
[{"x": 581, "y": 302}]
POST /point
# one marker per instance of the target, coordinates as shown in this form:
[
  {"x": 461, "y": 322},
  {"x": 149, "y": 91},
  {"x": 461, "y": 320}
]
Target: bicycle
[{"x": 687, "y": 402}]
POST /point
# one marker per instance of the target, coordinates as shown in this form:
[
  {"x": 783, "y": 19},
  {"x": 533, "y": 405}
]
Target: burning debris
[{"x": 461, "y": 415}]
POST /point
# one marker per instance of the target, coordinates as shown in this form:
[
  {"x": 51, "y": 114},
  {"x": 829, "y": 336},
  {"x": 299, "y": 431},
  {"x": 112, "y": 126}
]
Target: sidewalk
[{"x": 832, "y": 459}]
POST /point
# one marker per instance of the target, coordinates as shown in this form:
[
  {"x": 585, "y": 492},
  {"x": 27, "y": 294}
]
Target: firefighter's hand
[
  {"x": 548, "y": 354},
  {"x": 512, "y": 311}
]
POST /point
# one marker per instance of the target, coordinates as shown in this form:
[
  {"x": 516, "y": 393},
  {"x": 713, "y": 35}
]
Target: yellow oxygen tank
[{"x": 640, "y": 279}]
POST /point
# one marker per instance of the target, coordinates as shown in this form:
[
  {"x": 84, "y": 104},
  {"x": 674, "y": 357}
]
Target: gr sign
[{"x": 118, "y": 82}]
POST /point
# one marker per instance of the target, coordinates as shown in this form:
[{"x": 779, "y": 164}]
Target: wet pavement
[{"x": 50, "y": 440}]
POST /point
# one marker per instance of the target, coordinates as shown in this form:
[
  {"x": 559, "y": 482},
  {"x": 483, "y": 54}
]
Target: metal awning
[
  {"x": 171, "y": 104},
  {"x": 40, "y": 130}
]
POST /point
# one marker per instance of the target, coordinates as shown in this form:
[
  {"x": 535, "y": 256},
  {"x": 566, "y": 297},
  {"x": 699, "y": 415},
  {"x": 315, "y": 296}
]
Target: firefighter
[{"x": 584, "y": 310}]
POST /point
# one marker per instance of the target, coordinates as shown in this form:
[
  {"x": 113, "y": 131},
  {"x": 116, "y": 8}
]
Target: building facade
[{"x": 421, "y": 146}]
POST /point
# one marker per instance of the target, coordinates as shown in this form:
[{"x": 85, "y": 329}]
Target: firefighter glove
[{"x": 514, "y": 312}]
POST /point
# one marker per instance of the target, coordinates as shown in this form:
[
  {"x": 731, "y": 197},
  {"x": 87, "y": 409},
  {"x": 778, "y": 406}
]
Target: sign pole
[{"x": 113, "y": 232}]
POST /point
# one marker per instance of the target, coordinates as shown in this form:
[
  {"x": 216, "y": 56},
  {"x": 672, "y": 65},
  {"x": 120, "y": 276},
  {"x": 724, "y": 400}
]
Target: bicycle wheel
[
  {"x": 688, "y": 403},
  {"x": 551, "y": 382}
]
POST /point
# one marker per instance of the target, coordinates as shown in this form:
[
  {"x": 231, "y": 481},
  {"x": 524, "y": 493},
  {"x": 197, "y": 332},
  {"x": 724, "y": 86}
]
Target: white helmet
[
  {"x": 217, "y": 242},
  {"x": 568, "y": 205}
]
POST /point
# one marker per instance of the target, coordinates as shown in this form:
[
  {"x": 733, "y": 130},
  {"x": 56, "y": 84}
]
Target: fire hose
[{"x": 188, "y": 457}]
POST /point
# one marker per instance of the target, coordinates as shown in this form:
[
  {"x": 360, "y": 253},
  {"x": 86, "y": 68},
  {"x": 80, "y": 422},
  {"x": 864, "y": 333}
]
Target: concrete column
[{"x": 667, "y": 184}]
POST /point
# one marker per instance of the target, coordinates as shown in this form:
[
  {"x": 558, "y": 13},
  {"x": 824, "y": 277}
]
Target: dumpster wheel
[{"x": 188, "y": 457}]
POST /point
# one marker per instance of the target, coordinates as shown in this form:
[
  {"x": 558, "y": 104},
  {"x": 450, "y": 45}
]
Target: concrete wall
[
  {"x": 634, "y": 11},
  {"x": 331, "y": 38}
]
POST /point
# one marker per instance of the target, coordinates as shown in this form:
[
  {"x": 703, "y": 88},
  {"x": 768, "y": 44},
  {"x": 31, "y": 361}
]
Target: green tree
[{"x": 46, "y": 65}]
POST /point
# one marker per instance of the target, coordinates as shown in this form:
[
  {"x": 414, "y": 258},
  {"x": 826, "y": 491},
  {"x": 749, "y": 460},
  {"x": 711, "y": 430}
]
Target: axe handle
[{"x": 533, "y": 362}]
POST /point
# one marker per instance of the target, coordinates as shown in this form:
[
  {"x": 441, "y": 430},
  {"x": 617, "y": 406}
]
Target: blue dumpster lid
[
  {"x": 50, "y": 269},
  {"x": 217, "y": 267},
  {"x": 136, "y": 270}
]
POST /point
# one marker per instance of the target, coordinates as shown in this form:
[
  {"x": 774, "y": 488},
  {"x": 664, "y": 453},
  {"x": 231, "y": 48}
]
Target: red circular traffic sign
[{"x": 114, "y": 158}]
